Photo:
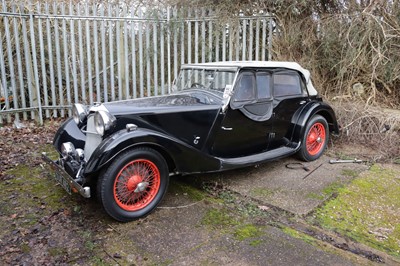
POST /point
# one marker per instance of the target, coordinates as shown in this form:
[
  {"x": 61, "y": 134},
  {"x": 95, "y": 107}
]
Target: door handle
[{"x": 227, "y": 128}]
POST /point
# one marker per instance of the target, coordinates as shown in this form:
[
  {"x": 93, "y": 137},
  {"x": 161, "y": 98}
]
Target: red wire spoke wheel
[
  {"x": 315, "y": 138},
  {"x": 136, "y": 185},
  {"x": 133, "y": 184}
]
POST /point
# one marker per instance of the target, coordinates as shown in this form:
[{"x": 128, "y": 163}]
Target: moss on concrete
[
  {"x": 247, "y": 231},
  {"x": 218, "y": 218},
  {"x": 367, "y": 210}
]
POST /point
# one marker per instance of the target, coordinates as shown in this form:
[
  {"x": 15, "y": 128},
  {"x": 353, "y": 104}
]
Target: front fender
[
  {"x": 311, "y": 109},
  {"x": 69, "y": 132},
  {"x": 186, "y": 158}
]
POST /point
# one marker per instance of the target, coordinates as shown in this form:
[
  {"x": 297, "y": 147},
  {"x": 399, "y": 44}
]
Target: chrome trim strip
[{"x": 90, "y": 132}]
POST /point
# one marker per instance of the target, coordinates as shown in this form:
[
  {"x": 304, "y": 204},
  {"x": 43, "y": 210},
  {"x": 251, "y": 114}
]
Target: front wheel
[
  {"x": 315, "y": 139},
  {"x": 133, "y": 185}
]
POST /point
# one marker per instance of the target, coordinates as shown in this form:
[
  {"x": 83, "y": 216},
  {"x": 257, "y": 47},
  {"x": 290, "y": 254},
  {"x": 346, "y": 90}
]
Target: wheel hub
[
  {"x": 312, "y": 137},
  {"x": 133, "y": 182},
  {"x": 141, "y": 187}
]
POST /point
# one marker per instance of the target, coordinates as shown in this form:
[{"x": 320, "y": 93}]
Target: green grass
[{"x": 367, "y": 210}]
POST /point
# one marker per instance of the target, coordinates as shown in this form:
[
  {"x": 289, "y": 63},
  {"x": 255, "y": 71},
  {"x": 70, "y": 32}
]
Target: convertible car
[{"x": 218, "y": 116}]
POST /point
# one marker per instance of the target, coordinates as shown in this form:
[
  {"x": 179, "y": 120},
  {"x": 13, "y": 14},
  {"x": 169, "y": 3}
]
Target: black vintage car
[{"x": 219, "y": 116}]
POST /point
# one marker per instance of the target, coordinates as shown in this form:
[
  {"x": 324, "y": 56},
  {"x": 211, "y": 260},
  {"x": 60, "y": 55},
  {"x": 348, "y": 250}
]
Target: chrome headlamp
[
  {"x": 103, "y": 121},
  {"x": 79, "y": 113},
  {"x": 67, "y": 149}
]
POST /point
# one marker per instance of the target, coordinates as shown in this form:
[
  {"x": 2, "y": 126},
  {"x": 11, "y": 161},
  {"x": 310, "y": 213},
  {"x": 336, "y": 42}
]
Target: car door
[
  {"x": 290, "y": 95},
  {"x": 246, "y": 126}
]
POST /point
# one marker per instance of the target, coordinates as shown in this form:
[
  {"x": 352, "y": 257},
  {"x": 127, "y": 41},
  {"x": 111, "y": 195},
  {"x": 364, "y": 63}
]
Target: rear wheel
[
  {"x": 315, "y": 139},
  {"x": 134, "y": 184}
]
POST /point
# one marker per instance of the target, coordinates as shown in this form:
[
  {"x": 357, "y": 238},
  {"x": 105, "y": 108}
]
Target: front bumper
[{"x": 60, "y": 172}]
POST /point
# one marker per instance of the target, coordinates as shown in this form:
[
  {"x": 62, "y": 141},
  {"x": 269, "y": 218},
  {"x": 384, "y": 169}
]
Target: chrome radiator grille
[{"x": 92, "y": 138}]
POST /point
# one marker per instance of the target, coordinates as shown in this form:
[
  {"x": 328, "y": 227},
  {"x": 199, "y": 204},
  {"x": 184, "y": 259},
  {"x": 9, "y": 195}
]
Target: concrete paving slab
[
  {"x": 294, "y": 190},
  {"x": 177, "y": 237}
]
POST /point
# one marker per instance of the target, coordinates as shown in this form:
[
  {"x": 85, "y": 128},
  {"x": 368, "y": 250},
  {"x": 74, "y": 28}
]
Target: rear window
[{"x": 286, "y": 84}]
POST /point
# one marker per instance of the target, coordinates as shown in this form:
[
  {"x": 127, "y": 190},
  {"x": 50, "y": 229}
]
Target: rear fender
[
  {"x": 185, "y": 158},
  {"x": 311, "y": 109}
]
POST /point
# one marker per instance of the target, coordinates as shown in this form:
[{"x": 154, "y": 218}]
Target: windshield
[{"x": 204, "y": 79}]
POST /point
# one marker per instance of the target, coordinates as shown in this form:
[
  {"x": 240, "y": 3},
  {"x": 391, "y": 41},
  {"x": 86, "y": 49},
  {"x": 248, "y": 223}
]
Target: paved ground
[
  {"x": 295, "y": 190},
  {"x": 182, "y": 232}
]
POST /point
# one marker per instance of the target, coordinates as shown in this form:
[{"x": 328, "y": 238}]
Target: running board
[{"x": 231, "y": 163}]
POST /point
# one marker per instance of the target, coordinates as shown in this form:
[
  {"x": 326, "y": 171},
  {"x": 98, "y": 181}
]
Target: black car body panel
[{"x": 185, "y": 158}]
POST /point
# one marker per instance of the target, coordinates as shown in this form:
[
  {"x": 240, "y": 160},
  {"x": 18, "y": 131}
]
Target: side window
[
  {"x": 245, "y": 90},
  {"x": 286, "y": 84},
  {"x": 263, "y": 85}
]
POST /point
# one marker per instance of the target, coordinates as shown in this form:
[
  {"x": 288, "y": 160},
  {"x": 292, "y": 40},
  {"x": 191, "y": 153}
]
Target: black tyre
[
  {"x": 133, "y": 185},
  {"x": 315, "y": 139}
]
